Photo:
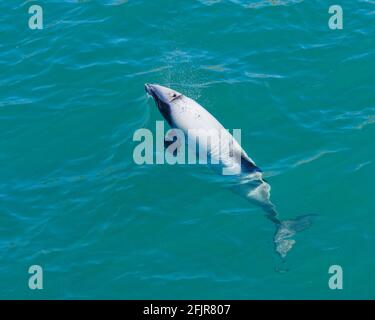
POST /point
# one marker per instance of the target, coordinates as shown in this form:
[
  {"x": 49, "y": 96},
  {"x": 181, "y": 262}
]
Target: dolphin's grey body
[{"x": 186, "y": 114}]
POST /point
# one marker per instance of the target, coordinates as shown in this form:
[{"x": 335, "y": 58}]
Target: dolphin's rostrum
[{"x": 185, "y": 114}]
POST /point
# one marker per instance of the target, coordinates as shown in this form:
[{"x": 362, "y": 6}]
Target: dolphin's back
[{"x": 190, "y": 116}]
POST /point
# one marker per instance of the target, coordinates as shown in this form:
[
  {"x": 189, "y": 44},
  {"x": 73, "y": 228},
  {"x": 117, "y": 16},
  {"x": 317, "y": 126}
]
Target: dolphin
[{"x": 182, "y": 112}]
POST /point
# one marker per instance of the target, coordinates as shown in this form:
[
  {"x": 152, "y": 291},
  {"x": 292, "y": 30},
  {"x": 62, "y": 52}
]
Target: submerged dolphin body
[{"x": 185, "y": 114}]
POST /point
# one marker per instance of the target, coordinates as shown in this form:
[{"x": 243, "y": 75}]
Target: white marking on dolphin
[{"x": 184, "y": 113}]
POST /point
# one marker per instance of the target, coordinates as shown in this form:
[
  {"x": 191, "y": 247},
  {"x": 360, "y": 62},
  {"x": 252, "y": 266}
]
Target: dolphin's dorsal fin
[{"x": 248, "y": 165}]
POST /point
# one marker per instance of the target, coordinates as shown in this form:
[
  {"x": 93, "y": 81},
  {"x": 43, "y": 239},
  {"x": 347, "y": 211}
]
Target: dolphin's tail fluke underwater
[
  {"x": 256, "y": 189},
  {"x": 286, "y": 229}
]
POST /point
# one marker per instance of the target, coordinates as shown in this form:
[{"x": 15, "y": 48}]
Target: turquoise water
[{"x": 73, "y": 201}]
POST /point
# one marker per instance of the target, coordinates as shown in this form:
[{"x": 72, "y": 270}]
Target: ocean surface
[{"x": 73, "y": 201}]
